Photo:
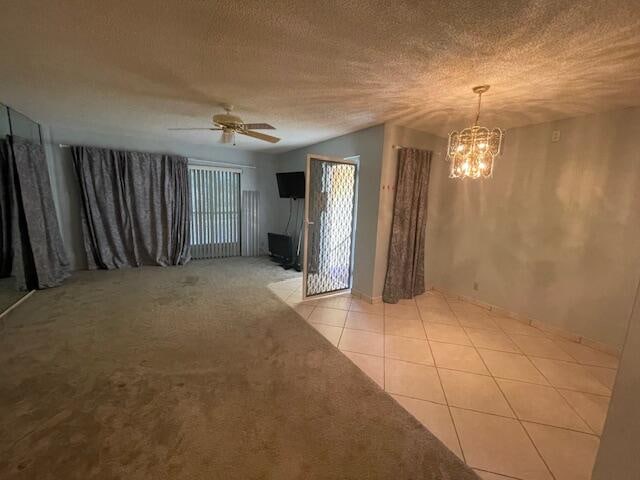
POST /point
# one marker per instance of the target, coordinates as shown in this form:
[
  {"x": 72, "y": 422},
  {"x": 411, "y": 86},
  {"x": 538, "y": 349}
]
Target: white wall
[
  {"x": 367, "y": 144},
  {"x": 406, "y": 137},
  {"x": 554, "y": 234},
  {"x": 65, "y": 187}
]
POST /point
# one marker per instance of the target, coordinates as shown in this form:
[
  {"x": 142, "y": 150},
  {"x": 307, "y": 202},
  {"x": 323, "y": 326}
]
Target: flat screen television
[{"x": 291, "y": 184}]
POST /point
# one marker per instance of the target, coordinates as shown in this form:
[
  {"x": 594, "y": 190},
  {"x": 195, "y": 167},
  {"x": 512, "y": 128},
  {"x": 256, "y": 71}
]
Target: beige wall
[
  {"x": 396, "y": 135},
  {"x": 618, "y": 455},
  {"x": 554, "y": 234}
]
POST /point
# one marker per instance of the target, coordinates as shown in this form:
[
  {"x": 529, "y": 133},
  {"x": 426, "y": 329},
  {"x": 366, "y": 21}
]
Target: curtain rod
[{"x": 197, "y": 161}]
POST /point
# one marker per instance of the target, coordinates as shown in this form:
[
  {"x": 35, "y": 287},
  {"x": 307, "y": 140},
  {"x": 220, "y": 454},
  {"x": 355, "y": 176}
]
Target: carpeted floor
[
  {"x": 194, "y": 372},
  {"x": 8, "y": 293}
]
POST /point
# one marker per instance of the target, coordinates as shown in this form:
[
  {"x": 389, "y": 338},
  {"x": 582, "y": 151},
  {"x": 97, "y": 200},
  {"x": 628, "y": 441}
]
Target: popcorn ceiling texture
[{"x": 316, "y": 69}]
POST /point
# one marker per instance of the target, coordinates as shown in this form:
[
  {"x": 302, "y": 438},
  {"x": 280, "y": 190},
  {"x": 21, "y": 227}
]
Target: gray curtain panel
[
  {"x": 6, "y": 255},
  {"x": 136, "y": 207},
  {"x": 405, "y": 268},
  {"x": 39, "y": 259}
]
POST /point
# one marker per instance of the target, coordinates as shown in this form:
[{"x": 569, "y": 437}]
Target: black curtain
[
  {"x": 38, "y": 256},
  {"x": 135, "y": 207}
]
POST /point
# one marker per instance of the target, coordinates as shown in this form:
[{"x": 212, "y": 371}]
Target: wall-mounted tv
[{"x": 291, "y": 184}]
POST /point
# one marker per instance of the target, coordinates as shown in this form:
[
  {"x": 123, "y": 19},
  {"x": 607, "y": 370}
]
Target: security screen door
[{"x": 329, "y": 225}]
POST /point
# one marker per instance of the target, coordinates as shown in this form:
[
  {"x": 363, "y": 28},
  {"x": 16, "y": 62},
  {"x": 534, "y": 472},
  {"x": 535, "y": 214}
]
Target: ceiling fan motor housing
[{"x": 228, "y": 120}]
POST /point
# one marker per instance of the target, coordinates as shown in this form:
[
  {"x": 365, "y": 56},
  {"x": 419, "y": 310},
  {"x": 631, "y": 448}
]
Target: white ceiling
[{"x": 315, "y": 69}]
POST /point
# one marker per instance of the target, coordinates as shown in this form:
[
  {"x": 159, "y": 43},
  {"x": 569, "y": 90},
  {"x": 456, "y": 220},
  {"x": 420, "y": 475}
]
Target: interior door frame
[
  {"x": 194, "y": 164},
  {"x": 353, "y": 160}
]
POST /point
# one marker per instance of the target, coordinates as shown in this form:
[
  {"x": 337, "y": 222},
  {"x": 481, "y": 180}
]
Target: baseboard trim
[
  {"x": 366, "y": 298},
  {"x": 15, "y": 305},
  {"x": 567, "y": 335}
]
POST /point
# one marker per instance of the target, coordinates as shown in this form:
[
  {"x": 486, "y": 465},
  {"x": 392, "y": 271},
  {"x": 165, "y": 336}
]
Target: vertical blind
[{"x": 215, "y": 212}]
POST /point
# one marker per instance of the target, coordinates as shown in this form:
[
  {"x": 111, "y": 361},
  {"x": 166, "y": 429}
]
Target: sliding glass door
[{"x": 215, "y": 212}]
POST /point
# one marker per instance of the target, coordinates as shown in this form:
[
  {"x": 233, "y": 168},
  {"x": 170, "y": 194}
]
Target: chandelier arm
[{"x": 479, "y": 103}]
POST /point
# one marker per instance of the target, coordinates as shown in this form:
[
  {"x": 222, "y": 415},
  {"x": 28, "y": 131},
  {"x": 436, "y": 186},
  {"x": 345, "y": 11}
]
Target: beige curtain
[{"x": 405, "y": 267}]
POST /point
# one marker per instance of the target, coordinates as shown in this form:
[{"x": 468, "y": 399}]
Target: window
[{"x": 215, "y": 212}]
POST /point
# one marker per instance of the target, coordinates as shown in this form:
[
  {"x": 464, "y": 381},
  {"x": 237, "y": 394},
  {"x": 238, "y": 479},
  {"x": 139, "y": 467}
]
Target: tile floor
[{"x": 512, "y": 401}]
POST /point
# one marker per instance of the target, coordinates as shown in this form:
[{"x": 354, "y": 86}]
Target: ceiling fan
[{"x": 230, "y": 124}]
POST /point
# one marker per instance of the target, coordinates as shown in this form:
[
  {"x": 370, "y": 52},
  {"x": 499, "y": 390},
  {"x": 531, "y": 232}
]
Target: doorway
[
  {"x": 215, "y": 212},
  {"x": 329, "y": 226}
]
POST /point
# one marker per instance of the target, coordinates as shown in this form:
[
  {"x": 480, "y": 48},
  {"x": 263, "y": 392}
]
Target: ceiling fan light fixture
[
  {"x": 228, "y": 136},
  {"x": 472, "y": 151}
]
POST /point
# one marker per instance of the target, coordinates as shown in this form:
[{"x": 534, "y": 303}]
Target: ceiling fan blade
[
  {"x": 259, "y": 136},
  {"x": 194, "y": 129},
  {"x": 258, "y": 126}
]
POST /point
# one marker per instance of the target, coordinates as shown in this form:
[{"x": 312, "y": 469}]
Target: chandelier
[{"x": 473, "y": 150}]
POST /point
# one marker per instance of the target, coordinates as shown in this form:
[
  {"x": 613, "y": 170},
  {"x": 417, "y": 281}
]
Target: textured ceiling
[{"x": 315, "y": 69}]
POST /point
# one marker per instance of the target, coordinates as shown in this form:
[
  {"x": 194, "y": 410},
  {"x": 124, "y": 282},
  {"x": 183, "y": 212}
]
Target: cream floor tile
[
  {"x": 446, "y": 333},
  {"x": 492, "y": 476},
  {"x": 360, "y": 341},
  {"x": 404, "y": 327},
  {"x": 408, "y": 312},
  {"x": 437, "y": 315},
  {"x": 570, "y": 455},
  {"x": 509, "y": 325},
  {"x": 457, "y": 357},
  {"x": 413, "y": 380},
  {"x": 281, "y": 293},
  {"x": 498, "y": 444},
  {"x": 328, "y": 316},
  {"x": 358, "y": 305},
  {"x": 430, "y": 300},
  {"x": 329, "y": 332},
  {"x": 295, "y": 296},
  {"x": 474, "y": 392},
  {"x": 606, "y": 376},
  {"x": 541, "y": 404},
  {"x": 369, "y": 364},
  {"x": 540, "y": 347},
  {"x": 570, "y": 376},
  {"x": 304, "y": 311},
  {"x": 451, "y": 297},
  {"x": 411, "y": 302},
  {"x": 408, "y": 349},
  {"x": 587, "y": 355},
  {"x": 491, "y": 340},
  {"x": 296, "y": 299},
  {"x": 512, "y": 366},
  {"x": 592, "y": 408},
  {"x": 365, "y": 321},
  {"x": 478, "y": 321},
  {"x": 341, "y": 302},
  {"x": 468, "y": 309},
  {"x": 436, "y": 418}
]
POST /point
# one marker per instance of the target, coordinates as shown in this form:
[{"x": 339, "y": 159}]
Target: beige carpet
[{"x": 194, "y": 372}]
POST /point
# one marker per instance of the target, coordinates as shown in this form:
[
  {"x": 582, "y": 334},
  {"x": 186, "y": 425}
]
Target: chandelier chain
[{"x": 479, "y": 103}]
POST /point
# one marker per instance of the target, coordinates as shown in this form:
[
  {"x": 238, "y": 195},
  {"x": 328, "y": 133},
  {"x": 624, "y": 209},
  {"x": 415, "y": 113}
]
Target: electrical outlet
[
  {"x": 555, "y": 136},
  {"x": 476, "y": 286}
]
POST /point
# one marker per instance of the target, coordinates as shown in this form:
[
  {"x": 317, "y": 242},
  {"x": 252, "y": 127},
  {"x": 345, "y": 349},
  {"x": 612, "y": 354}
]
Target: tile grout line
[
  {"x": 499, "y": 474},
  {"x": 556, "y": 389},
  {"x": 490, "y": 374},
  {"x": 518, "y": 419},
  {"x": 453, "y": 423},
  {"x": 473, "y": 410}
]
